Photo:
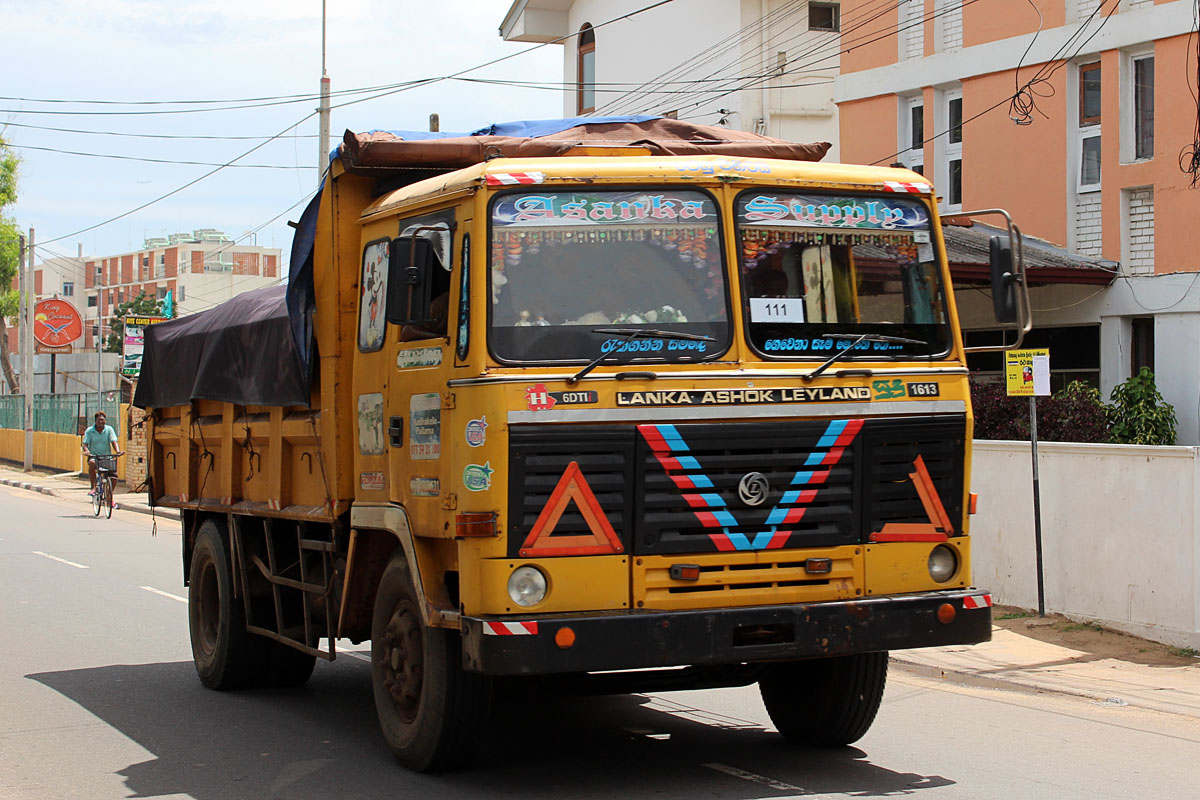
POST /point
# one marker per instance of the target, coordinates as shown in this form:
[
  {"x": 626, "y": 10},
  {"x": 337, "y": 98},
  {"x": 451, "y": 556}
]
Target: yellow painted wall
[{"x": 61, "y": 452}]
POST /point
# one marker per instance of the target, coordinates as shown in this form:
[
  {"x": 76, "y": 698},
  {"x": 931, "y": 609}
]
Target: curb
[
  {"x": 32, "y": 487},
  {"x": 163, "y": 513}
]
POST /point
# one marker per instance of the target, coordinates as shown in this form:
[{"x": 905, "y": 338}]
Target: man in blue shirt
[{"x": 99, "y": 440}]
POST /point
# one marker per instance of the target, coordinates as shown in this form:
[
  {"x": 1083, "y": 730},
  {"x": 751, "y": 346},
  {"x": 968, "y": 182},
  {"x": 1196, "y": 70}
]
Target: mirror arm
[{"x": 1024, "y": 309}]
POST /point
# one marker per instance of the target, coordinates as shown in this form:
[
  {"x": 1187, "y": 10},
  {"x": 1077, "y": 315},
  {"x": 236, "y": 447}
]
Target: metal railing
[{"x": 56, "y": 413}]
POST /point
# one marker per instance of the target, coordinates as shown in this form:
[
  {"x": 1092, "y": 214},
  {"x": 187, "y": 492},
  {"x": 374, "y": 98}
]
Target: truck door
[{"x": 417, "y": 401}]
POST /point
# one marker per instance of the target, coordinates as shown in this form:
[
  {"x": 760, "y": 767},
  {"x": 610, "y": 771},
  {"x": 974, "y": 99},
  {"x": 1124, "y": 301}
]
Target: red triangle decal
[{"x": 600, "y": 540}]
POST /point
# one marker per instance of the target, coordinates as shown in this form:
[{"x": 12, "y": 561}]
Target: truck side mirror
[
  {"x": 1004, "y": 279},
  {"x": 409, "y": 280}
]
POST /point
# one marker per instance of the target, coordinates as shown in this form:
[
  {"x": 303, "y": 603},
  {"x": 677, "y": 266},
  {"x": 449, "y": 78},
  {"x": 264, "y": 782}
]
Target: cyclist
[{"x": 99, "y": 440}]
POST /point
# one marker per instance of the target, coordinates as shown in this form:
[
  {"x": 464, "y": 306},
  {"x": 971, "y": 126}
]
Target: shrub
[
  {"x": 1138, "y": 414},
  {"x": 1074, "y": 414}
]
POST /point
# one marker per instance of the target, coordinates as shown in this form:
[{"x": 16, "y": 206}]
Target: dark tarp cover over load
[{"x": 239, "y": 352}]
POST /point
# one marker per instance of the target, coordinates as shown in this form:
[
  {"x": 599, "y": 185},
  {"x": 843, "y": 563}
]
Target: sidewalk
[
  {"x": 70, "y": 486},
  {"x": 1009, "y": 660}
]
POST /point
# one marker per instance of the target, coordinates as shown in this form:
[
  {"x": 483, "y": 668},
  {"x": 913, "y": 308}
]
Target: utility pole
[
  {"x": 323, "y": 111},
  {"x": 99, "y": 336},
  {"x": 27, "y": 350}
]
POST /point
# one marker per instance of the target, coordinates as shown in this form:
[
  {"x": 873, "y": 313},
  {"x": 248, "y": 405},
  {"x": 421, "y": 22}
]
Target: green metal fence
[{"x": 57, "y": 413}]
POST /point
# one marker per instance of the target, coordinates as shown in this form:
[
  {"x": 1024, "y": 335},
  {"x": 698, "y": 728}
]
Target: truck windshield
[
  {"x": 819, "y": 270},
  {"x": 563, "y": 263}
]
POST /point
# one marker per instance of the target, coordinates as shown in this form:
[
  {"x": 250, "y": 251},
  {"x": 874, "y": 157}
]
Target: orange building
[{"x": 1048, "y": 108}]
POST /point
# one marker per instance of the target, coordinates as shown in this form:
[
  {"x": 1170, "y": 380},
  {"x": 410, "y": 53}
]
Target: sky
[{"x": 150, "y": 51}]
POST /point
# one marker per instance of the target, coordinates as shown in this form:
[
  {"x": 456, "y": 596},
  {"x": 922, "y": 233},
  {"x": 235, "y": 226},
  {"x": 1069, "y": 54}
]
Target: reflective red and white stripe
[
  {"x": 977, "y": 601},
  {"x": 514, "y": 178},
  {"x": 510, "y": 628},
  {"x": 911, "y": 188}
]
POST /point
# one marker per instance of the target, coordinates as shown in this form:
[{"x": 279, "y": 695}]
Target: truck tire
[
  {"x": 430, "y": 710},
  {"x": 225, "y": 654},
  {"x": 825, "y": 702},
  {"x": 287, "y": 667}
]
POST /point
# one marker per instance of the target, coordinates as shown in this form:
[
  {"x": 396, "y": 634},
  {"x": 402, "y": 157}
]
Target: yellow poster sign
[{"x": 1027, "y": 372}]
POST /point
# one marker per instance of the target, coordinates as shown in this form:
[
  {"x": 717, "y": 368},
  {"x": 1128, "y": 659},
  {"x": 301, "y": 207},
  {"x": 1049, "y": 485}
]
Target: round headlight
[
  {"x": 943, "y": 563},
  {"x": 527, "y": 586}
]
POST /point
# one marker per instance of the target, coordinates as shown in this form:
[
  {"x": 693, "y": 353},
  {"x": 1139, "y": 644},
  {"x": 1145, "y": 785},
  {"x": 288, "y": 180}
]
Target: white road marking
[
  {"x": 60, "y": 560},
  {"x": 360, "y": 655},
  {"x": 152, "y": 590},
  {"x": 750, "y": 776}
]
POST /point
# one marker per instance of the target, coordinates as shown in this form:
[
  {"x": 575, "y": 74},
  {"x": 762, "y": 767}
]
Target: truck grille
[{"x": 827, "y": 482}]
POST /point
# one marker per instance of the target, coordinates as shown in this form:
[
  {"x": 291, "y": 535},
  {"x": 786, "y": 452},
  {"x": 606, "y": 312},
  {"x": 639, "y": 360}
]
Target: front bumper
[{"x": 645, "y": 639}]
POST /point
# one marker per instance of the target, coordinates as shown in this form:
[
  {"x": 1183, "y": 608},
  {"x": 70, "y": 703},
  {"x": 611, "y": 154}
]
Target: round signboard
[{"x": 56, "y": 323}]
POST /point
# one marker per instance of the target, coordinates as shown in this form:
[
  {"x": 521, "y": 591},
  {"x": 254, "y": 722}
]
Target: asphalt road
[{"x": 98, "y": 699}]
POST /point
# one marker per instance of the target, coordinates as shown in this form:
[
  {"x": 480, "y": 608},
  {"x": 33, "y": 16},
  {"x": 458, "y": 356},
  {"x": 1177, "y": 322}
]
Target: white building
[
  {"x": 766, "y": 66},
  {"x": 200, "y": 269}
]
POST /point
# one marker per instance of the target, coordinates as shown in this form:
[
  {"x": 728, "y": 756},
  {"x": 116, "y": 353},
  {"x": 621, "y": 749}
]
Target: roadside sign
[
  {"x": 1027, "y": 372},
  {"x": 131, "y": 363},
  {"x": 56, "y": 323}
]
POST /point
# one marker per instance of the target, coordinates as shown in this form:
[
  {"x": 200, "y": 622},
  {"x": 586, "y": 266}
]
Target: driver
[{"x": 98, "y": 440}]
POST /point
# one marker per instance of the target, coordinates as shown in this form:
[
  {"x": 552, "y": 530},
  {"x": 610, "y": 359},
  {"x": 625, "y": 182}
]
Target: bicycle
[{"x": 106, "y": 478}]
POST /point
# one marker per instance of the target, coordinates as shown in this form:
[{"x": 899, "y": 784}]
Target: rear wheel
[
  {"x": 430, "y": 710},
  {"x": 97, "y": 496},
  {"x": 287, "y": 666},
  {"x": 225, "y": 654},
  {"x": 825, "y": 702}
]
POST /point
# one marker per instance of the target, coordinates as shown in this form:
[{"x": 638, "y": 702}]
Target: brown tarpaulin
[{"x": 664, "y": 137}]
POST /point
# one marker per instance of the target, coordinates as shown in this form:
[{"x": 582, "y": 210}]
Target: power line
[
  {"x": 184, "y": 136},
  {"x": 175, "y": 191},
  {"x": 152, "y": 160},
  {"x": 407, "y": 85}
]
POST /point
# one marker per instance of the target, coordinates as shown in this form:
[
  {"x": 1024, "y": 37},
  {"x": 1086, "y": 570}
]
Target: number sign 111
[{"x": 777, "y": 309}]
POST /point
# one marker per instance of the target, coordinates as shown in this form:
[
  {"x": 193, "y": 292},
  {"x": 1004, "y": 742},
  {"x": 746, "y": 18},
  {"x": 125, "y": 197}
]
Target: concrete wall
[{"x": 1120, "y": 533}]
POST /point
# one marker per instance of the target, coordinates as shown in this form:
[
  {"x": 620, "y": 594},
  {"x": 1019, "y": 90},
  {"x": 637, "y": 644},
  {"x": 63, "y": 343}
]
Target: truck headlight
[
  {"x": 527, "y": 586},
  {"x": 943, "y": 563}
]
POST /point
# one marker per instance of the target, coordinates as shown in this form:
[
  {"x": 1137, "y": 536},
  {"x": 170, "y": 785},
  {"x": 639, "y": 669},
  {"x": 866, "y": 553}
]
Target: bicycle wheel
[
  {"x": 108, "y": 495},
  {"x": 98, "y": 496}
]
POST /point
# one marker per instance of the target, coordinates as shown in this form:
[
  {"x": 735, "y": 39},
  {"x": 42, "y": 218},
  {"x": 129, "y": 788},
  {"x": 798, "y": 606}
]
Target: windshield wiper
[
  {"x": 630, "y": 334},
  {"x": 866, "y": 337}
]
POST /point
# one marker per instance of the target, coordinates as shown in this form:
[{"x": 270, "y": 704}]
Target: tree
[
  {"x": 140, "y": 306},
  {"x": 10, "y": 257},
  {"x": 1139, "y": 415}
]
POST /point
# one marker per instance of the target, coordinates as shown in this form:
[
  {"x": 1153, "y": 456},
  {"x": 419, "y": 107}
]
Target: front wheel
[
  {"x": 825, "y": 702},
  {"x": 108, "y": 495},
  {"x": 431, "y": 711}
]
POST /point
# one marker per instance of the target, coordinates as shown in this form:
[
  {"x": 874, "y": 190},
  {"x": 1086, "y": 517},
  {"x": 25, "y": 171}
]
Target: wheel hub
[{"x": 404, "y": 660}]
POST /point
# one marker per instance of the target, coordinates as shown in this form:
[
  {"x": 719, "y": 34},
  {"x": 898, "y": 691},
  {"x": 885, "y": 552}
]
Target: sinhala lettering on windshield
[
  {"x": 824, "y": 211},
  {"x": 822, "y": 345}
]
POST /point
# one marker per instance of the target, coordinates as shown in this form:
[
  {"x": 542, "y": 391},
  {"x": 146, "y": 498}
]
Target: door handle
[{"x": 395, "y": 431}]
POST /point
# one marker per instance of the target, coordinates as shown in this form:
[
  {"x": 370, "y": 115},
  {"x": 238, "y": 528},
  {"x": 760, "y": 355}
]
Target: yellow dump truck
[{"x": 633, "y": 403}]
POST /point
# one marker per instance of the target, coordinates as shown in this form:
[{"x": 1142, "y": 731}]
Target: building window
[
  {"x": 91, "y": 301},
  {"x": 1089, "y": 94},
  {"x": 1089, "y": 128},
  {"x": 1143, "y": 107},
  {"x": 586, "y": 69},
  {"x": 68, "y": 289},
  {"x": 824, "y": 17},
  {"x": 954, "y": 160},
  {"x": 1142, "y": 349},
  {"x": 912, "y": 134},
  {"x": 179, "y": 295}
]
